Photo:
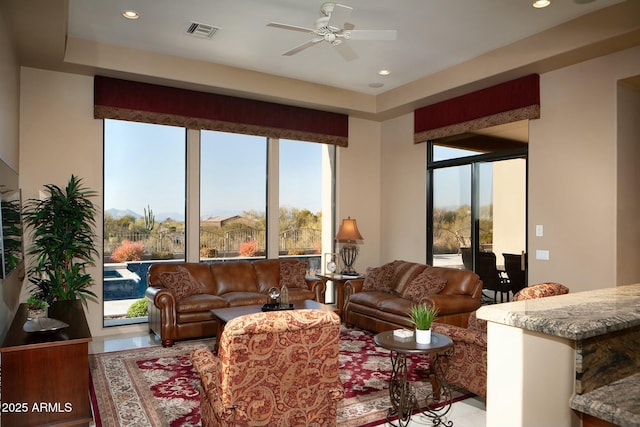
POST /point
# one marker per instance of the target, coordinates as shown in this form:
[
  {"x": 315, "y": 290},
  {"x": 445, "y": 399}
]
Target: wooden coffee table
[{"x": 224, "y": 315}]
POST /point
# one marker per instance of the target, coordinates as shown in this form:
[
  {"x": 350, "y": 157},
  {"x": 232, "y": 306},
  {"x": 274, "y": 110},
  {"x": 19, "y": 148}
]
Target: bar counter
[{"x": 601, "y": 329}]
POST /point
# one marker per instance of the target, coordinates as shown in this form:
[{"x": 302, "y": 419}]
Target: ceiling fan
[{"x": 332, "y": 27}]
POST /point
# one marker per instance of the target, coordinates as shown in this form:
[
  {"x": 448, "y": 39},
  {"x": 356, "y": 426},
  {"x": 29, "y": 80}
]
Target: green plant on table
[
  {"x": 423, "y": 315},
  {"x": 36, "y": 303},
  {"x": 63, "y": 241}
]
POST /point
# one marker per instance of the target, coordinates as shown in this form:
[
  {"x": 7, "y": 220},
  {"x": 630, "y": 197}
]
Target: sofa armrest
[
  {"x": 208, "y": 367},
  {"x": 318, "y": 286},
  {"x": 458, "y": 334},
  {"x": 351, "y": 287},
  {"x": 161, "y": 307}
]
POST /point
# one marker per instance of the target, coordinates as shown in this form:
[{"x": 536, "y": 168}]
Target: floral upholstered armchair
[
  {"x": 272, "y": 369},
  {"x": 467, "y": 367}
]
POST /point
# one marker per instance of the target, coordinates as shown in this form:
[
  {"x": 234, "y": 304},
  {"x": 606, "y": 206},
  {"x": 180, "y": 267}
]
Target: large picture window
[
  {"x": 147, "y": 202},
  {"x": 233, "y": 198},
  {"x": 144, "y": 210}
]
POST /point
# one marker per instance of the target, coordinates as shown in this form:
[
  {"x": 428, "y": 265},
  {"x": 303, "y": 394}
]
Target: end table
[
  {"x": 401, "y": 393},
  {"x": 338, "y": 281}
]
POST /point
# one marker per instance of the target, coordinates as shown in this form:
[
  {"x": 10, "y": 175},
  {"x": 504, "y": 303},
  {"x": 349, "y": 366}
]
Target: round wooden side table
[{"x": 401, "y": 393}]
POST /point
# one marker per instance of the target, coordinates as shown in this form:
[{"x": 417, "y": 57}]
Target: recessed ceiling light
[
  {"x": 384, "y": 72},
  {"x": 131, "y": 14},
  {"x": 376, "y": 85},
  {"x": 539, "y": 4}
]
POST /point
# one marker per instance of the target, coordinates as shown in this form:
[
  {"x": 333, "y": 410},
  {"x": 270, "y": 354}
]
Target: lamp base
[{"x": 348, "y": 253}]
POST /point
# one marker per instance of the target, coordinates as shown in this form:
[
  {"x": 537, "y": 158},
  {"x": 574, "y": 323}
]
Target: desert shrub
[
  {"x": 128, "y": 251},
  {"x": 161, "y": 255},
  {"x": 138, "y": 309},
  {"x": 208, "y": 252},
  {"x": 249, "y": 248}
]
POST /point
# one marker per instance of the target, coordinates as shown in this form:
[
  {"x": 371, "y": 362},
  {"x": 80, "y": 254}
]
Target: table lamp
[{"x": 348, "y": 233}]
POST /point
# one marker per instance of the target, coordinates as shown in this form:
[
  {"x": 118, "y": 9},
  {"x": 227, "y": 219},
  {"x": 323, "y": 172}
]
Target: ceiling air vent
[{"x": 203, "y": 31}]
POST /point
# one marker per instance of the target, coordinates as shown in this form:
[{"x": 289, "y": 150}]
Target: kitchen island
[{"x": 553, "y": 360}]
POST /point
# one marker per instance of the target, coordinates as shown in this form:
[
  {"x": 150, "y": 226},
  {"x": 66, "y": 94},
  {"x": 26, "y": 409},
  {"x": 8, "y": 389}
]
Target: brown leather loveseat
[
  {"x": 381, "y": 301},
  {"x": 180, "y": 296}
]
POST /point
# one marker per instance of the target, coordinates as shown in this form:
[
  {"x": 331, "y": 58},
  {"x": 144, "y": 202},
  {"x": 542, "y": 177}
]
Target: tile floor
[{"x": 468, "y": 413}]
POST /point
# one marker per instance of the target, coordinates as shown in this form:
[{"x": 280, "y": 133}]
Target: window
[
  {"x": 144, "y": 209},
  {"x": 233, "y": 195},
  {"x": 301, "y": 204},
  {"x": 146, "y": 199}
]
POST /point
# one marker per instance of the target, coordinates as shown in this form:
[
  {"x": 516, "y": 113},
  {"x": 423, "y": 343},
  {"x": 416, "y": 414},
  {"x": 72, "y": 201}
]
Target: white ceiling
[{"x": 432, "y": 34}]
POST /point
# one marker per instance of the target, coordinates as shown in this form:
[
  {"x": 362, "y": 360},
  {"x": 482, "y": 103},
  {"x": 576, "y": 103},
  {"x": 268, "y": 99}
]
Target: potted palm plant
[
  {"x": 422, "y": 316},
  {"x": 61, "y": 227}
]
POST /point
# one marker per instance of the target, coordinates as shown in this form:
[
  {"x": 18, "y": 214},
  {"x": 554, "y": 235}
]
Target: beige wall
[
  {"x": 60, "y": 137},
  {"x": 9, "y": 143},
  {"x": 573, "y": 173},
  {"x": 403, "y": 193},
  {"x": 628, "y": 179},
  {"x": 509, "y": 207},
  {"x": 358, "y": 188}
]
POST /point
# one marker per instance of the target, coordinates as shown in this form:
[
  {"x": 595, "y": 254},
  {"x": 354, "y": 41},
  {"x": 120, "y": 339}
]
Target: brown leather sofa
[
  {"x": 381, "y": 301},
  {"x": 180, "y": 296}
]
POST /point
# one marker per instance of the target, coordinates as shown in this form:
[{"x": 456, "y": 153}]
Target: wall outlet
[
  {"x": 542, "y": 254},
  {"x": 539, "y": 231}
]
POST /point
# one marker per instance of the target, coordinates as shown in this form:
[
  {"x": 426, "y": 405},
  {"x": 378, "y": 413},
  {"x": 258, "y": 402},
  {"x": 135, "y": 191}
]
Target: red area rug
[{"x": 157, "y": 386}]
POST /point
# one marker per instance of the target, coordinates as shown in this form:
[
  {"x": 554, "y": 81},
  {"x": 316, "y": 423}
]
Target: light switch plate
[
  {"x": 539, "y": 231},
  {"x": 542, "y": 254}
]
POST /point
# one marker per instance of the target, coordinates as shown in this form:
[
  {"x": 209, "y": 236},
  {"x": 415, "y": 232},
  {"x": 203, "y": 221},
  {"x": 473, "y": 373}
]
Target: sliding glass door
[{"x": 476, "y": 207}]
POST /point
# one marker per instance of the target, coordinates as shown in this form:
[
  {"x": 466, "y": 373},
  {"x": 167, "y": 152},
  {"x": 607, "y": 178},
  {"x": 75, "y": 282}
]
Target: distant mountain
[
  {"x": 160, "y": 216},
  {"x": 119, "y": 213},
  {"x": 176, "y": 216}
]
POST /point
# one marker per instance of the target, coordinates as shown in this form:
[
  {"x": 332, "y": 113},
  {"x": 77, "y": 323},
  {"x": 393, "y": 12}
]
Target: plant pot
[
  {"x": 36, "y": 314},
  {"x": 423, "y": 336}
]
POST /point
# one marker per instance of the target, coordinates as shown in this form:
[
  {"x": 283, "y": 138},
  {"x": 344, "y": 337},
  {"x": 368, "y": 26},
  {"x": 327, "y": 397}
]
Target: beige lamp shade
[{"x": 348, "y": 231}]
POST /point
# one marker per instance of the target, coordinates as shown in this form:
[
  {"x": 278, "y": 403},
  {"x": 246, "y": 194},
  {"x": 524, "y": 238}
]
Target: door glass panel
[{"x": 451, "y": 215}]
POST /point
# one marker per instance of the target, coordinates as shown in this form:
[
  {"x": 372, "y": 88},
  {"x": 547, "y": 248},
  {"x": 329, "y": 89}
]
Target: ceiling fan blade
[
  {"x": 303, "y": 46},
  {"x": 372, "y": 35},
  {"x": 289, "y": 27},
  {"x": 339, "y": 17},
  {"x": 346, "y": 52}
]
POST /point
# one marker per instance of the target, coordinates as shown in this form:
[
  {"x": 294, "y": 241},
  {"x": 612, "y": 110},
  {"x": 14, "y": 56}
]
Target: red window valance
[
  {"x": 149, "y": 103},
  {"x": 507, "y": 102}
]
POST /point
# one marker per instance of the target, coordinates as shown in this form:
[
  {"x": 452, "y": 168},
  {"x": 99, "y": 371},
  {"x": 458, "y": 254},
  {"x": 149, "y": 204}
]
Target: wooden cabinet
[{"x": 45, "y": 377}]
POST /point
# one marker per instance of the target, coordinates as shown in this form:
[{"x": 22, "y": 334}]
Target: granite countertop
[
  {"x": 575, "y": 316},
  {"x": 617, "y": 402}
]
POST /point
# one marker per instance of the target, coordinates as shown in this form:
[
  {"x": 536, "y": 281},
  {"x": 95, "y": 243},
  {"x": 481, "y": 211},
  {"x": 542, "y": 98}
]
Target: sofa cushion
[
  {"x": 378, "y": 278},
  {"x": 403, "y": 274},
  {"x": 292, "y": 275},
  {"x": 423, "y": 285},
  {"x": 181, "y": 283},
  {"x": 268, "y": 273},
  {"x": 236, "y": 276}
]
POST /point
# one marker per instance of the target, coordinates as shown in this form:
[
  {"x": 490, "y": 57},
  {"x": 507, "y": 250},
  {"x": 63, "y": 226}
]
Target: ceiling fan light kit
[{"x": 333, "y": 28}]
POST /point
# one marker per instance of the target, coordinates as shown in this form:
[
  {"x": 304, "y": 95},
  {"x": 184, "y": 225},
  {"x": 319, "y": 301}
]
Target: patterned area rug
[{"x": 157, "y": 386}]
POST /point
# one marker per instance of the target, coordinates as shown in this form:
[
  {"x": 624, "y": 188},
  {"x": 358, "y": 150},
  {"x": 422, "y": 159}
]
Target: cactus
[{"x": 149, "y": 219}]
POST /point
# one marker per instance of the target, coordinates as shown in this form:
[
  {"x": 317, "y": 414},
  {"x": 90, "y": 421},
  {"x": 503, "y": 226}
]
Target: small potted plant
[
  {"x": 422, "y": 316},
  {"x": 36, "y": 307}
]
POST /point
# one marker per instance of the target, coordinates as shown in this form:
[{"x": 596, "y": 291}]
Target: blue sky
[{"x": 145, "y": 166}]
